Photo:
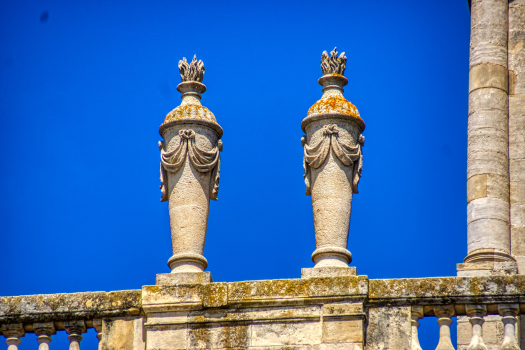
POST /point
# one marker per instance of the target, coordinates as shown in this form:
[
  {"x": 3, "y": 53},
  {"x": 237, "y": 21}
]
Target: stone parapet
[{"x": 345, "y": 312}]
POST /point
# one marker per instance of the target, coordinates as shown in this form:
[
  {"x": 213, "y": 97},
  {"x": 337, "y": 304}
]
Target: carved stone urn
[
  {"x": 332, "y": 162},
  {"x": 190, "y": 169}
]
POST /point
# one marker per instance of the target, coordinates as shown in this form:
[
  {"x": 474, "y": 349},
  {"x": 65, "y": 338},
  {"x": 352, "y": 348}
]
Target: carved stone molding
[
  {"x": 203, "y": 161},
  {"x": 315, "y": 156},
  {"x": 194, "y": 71}
]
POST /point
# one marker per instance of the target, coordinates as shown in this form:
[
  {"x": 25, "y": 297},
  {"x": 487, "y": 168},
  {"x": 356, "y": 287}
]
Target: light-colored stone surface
[
  {"x": 492, "y": 330},
  {"x": 184, "y": 278},
  {"x": 190, "y": 170},
  {"x": 44, "y": 331},
  {"x": 488, "y": 75},
  {"x": 516, "y": 43},
  {"x": 343, "y": 331},
  {"x": 298, "y": 314},
  {"x": 521, "y": 332},
  {"x": 475, "y": 313},
  {"x": 333, "y": 163},
  {"x": 315, "y": 313},
  {"x": 389, "y": 328},
  {"x": 516, "y": 133},
  {"x": 488, "y": 38},
  {"x": 510, "y": 327},
  {"x": 123, "y": 333},
  {"x": 488, "y": 222},
  {"x": 12, "y": 333},
  {"x": 516, "y": 64},
  {"x": 63, "y": 307},
  {"x": 328, "y": 272},
  {"x": 167, "y": 338},
  {"x": 487, "y": 268},
  {"x": 463, "y": 331},
  {"x": 293, "y": 333},
  {"x": 429, "y": 290},
  {"x": 225, "y": 336}
]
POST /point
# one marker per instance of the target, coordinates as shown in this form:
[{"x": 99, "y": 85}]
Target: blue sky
[{"x": 84, "y": 86}]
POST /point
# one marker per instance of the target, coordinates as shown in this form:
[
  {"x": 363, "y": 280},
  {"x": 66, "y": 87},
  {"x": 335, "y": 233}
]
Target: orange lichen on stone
[
  {"x": 334, "y": 104},
  {"x": 190, "y": 112}
]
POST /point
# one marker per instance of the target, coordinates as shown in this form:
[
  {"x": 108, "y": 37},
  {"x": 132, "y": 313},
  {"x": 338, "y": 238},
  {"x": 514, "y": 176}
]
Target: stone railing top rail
[
  {"x": 434, "y": 290},
  {"x": 458, "y": 291},
  {"x": 66, "y": 307}
]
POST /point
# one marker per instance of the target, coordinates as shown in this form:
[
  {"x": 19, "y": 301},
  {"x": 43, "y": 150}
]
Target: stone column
[
  {"x": 488, "y": 143},
  {"x": 190, "y": 169},
  {"x": 13, "y": 332},
  {"x": 333, "y": 163},
  {"x": 44, "y": 331}
]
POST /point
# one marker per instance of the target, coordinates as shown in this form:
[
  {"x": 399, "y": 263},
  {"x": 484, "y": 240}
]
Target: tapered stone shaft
[
  {"x": 190, "y": 168},
  {"x": 333, "y": 163}
]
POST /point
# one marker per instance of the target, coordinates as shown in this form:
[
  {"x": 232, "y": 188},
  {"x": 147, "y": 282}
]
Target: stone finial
[
  {"x": 193, "y": 71},
  {"x": 189, "y": 173},
  {"x": 191, "y": 86},
  {"x": 333, "y": 64},
  {"x": 333, "y": 162}
]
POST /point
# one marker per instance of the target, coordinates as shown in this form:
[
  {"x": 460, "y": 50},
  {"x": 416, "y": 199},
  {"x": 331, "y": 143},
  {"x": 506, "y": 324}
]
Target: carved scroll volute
[
  {"x": 333, "y": 162},
  {"x": 189, "y": 169}
]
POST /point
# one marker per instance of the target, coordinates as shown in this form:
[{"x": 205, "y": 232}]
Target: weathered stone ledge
[
  {"x": 491, "y": 290},
  {"x": 65, "y": 307},
  {"x": 441, "y": 287},
  {"x": 216, "y": 297}
]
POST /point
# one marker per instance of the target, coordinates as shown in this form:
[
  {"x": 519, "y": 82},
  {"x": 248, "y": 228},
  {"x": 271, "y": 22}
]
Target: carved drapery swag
[
  {"x": 316, "y": 156},
  {"x": 203, "y": 161}
]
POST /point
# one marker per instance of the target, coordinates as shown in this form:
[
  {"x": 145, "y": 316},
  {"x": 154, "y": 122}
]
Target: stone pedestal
[
  {"x": 314, "y": 314},
  {"x": 184, "y": 278},
  {"x": 328, "y": 272}
]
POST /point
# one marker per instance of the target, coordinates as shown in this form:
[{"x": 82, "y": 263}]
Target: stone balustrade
[
  {"x": 346, "y": 312},
  {"x": 73, "y": 313}
]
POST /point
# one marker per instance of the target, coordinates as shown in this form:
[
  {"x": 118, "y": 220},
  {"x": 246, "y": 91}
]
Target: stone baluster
[
  {"x": 75, "y": 330},
  {"x": 332, "y": 163},
  {"x": 13, "y": 332},
  {"x": 475, "y": 314},
  {"x": 97, "y": 324},
  {"x": 509, "y": 313},
  {"x": 190, "y": 171},
  {"x": 417, "y": 313},
  {"x": 444, "y": 313},
  {"x": 44, "y": 331}
]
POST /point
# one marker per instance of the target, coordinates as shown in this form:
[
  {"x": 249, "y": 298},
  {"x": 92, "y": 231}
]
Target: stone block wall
[{"x": 320, "y": 313}]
